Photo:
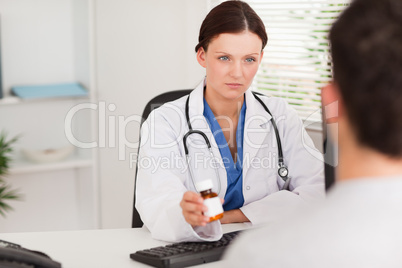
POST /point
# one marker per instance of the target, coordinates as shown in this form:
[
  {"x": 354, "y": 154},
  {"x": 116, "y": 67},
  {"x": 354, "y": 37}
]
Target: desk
[{"x": 106, "y": 248}]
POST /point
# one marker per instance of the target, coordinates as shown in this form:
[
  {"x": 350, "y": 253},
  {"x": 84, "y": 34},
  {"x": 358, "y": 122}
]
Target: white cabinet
[{"x": 48, "y": 42}]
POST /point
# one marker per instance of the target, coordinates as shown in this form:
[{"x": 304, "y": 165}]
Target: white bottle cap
[{"x": 204, "y": 185}]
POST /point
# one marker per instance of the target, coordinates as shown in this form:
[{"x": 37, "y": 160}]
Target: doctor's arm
[
  {"x": 161, "y": 187},
  {"x": 306, "y": 171},
  {"x": 234, "y": 216}
]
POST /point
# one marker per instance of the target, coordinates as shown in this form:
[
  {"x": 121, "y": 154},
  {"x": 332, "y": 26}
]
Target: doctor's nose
[{"x": 236, "y": 70}]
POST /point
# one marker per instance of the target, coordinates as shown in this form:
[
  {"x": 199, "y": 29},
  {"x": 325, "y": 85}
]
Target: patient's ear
[
  {"x": 332, "y": 103},
  {"x": 201, "y": 57}
]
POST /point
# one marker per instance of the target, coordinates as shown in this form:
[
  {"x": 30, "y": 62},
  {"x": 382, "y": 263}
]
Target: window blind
[{"x": 297, "y": 63}]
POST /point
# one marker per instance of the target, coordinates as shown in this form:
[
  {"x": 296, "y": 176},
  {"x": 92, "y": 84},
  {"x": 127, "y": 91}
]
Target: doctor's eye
[
  {"x": 250, "y": 60},
  {"x": 224, "y": 58}
]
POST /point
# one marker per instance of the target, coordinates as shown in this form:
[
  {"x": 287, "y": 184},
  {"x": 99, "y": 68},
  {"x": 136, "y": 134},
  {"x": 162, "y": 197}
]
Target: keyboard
[{"x": 184, "y": 254}]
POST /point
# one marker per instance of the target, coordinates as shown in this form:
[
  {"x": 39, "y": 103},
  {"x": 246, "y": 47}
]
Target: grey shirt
[{"x": 358, "y": 225}]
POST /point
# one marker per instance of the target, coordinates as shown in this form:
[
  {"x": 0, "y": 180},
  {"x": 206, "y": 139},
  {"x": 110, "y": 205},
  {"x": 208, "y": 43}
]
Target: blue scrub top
[{"x": 234, "y": 194}]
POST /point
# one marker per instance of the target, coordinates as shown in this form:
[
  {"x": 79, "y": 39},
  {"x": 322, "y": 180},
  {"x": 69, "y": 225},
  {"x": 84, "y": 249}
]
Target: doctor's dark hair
[
  {"x": 230, "y": 17},
  {"x": 366, "y": 48}
]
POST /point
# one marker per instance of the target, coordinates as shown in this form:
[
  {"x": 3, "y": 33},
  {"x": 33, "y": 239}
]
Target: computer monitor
[{"x": 330, "y": 150}]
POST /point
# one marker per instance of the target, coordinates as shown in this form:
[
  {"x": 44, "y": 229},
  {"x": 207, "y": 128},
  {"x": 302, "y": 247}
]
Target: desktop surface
[{"x": 96, "y": 248}]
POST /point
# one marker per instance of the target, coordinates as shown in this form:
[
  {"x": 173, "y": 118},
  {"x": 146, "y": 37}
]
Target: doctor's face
[{"x": 231, "y": 62}]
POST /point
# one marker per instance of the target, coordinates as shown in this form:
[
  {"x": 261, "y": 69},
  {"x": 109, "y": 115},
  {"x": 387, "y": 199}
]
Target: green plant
[{"x": 6, "y": 193}]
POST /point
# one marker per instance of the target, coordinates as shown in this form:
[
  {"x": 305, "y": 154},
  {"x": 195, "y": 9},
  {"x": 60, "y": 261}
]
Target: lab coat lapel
[
  {"x": 256, "y": 128},
  {"x": 198, "y": 122}
]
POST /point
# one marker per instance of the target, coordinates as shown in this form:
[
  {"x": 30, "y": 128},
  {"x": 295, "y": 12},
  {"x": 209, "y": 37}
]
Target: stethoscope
[{"x": 283, "y": 171}]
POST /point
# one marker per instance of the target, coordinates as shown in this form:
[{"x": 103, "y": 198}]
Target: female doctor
[{"x": 240, "y": 127}]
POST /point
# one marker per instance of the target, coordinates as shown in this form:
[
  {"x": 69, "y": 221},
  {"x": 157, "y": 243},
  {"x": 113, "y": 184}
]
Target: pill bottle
[{"x": 211, "y": 200}]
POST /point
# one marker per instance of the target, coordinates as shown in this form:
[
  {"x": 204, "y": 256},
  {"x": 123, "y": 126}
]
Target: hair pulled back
[{"x": 230, "y": 17}]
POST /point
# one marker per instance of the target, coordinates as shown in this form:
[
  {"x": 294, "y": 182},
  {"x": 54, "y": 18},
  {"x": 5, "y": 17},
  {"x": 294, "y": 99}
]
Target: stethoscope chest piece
[{"x": 283, "y": 171}]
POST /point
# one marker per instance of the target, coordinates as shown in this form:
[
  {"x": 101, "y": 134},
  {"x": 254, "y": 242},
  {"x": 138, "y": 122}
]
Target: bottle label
[{"x": 214, "y": 206}]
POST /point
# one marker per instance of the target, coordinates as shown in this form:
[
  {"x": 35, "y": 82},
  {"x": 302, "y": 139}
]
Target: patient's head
[{"x": 366, "y": 44}]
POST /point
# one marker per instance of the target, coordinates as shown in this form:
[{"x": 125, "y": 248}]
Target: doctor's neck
[{"x": 222, "y": 106}]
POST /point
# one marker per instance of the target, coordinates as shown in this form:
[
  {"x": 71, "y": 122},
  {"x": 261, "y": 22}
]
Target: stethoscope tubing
[
  {"x": 282, "y": 168},
  {"x": 194, "y": 131}
]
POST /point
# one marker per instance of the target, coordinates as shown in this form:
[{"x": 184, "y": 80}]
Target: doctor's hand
[{"x": 193, "y": 207}]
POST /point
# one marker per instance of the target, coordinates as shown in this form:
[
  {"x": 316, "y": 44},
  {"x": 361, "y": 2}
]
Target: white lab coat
[{"x": 163, "y": 176}]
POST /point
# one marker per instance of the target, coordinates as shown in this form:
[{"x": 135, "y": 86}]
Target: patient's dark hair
[
  {"x": 366, "y": 45},
  {"x": 230, "y": 17}
]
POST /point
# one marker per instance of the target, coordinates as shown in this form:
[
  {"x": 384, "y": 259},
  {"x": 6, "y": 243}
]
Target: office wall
[
  {"x": 37, "y": 43},
  {"x": 143, "y": 48}
]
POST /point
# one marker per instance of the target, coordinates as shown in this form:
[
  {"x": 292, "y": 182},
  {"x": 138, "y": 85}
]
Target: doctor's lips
[{"x": 234, "y": 85}]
